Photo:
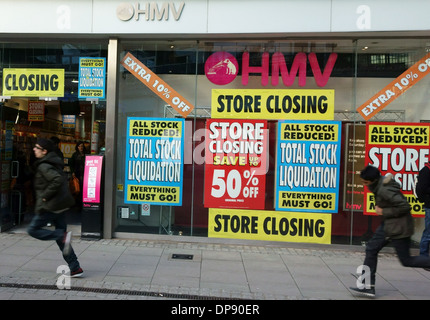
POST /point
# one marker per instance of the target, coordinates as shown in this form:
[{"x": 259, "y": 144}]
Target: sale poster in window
[
  {"x": 154, "y": 165},
  {"x": 399, "y": 149},
  {"x": 236, "y": 163},
  {"x": 308, "y": 166}
]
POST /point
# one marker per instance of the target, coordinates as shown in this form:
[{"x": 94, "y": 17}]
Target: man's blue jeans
[
  {"x": 36, "y": 230},
  {"x": 402, "y": 246},
  {"x": 425, "y": 238}
]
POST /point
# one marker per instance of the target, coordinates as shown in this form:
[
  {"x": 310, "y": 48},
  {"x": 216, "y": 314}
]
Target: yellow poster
[
  {"x": 67, "y": 149},
  {"x": 400, "y": 149},
  {"x": 270, "y": 225},
  {"x": 273, "y": 104},
  {"x": 164, "y": 195},
  {"x": 33, "y": 82}
]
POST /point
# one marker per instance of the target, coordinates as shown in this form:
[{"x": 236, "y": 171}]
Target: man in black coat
[
  {"x": 423, "y": 195},
  {"x": 53, "y": 198},
  {"x": 397, "y": 227}
]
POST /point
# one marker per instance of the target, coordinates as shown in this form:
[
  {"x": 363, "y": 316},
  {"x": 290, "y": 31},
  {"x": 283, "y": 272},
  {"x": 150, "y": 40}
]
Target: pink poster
[{"x": 92, "y": 179}]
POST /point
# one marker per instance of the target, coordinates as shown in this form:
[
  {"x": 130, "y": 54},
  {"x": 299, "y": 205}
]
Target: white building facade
[{"x": 283, "y": 66}]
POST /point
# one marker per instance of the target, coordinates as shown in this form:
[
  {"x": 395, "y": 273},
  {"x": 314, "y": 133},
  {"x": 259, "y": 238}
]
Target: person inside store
[
  {"x": 53, "y": 199},
  {"x": 57, "y": 150},
  {"x": 77, "y": 165},
  {"x": 396, "y": 228}
]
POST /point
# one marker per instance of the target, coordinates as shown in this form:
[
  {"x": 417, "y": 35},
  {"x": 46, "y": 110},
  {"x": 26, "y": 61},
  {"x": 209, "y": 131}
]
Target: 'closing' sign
[{"x": 33, "y": 82}]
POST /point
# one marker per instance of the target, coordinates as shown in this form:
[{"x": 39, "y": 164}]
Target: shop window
[{"x": 185, "y": 69}]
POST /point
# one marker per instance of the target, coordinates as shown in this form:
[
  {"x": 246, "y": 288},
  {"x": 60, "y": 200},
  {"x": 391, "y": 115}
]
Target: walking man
[
  {"x": 423, "y": 194},
  {"x": 53, "y": 198},
  {"x": 397, "y": 226}
]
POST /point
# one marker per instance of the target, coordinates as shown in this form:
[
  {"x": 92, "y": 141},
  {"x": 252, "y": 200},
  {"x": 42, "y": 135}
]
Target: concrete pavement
[{"x": 197, "y": 269}]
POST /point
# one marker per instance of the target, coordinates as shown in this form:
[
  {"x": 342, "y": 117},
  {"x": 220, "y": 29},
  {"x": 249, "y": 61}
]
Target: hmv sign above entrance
[{"x": 221, "y": 68}]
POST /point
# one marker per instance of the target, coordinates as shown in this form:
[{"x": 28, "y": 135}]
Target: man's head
[
  {"x": 369, "y": 175},
  {"x": 55, "y": 140},
  {"x": 43, "y": 147}
]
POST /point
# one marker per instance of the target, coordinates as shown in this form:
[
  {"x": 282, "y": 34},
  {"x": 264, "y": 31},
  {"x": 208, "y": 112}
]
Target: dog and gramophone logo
[
  {"x": 125, "y": 11},
  {"x": 221, "y": 68}
]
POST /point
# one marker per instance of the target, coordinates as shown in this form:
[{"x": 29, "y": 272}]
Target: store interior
[{"x": 19, "y": 134}]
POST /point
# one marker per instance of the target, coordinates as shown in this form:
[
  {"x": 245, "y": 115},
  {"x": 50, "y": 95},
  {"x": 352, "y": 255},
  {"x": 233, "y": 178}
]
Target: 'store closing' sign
[
  {"x": 269, "y": 225},
  {"x": 33, "y": 82}
]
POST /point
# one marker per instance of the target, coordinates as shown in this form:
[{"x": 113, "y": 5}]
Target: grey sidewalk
[{"x": 146, "y": 269}]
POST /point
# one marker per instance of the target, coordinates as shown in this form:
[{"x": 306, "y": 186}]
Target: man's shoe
[
  {"x": 67, "y": 243},
  {"x": 77, "y": 273},
  {"x": 365, "y": 292}
]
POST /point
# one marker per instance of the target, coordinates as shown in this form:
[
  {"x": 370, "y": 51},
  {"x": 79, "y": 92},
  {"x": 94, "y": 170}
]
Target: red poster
[
  {"x": 401, "y": 149},
  {"x": 236, "y": 163},
  {"x": 36, "y": 111}
]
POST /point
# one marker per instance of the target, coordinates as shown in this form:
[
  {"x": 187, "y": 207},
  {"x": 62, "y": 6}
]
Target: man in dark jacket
[
  {"x": 397, "y": 225},
  {"x": 423, "y": 195},
  {"x": 52, "y": 200}
]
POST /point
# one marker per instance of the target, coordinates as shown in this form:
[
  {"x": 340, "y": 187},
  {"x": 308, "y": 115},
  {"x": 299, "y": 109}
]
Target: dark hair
[
  {"x": 55, "y": 139},
  {"x": 370, "y": 173},
  {"x": 46, "y": 144},
  {"x": 78, "y": 144}
]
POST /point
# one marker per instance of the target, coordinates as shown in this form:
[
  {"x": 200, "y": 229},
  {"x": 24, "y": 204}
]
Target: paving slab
[{"x": 130, "y": 269}]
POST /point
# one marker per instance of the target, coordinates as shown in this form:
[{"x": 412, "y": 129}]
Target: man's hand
[{"x": 378, "y": 210}]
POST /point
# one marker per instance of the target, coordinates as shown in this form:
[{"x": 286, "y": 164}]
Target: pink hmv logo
[{"x": 221, "y": 68}]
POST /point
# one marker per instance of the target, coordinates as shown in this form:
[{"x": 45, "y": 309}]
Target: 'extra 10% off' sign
[{"x": 157, "y": 85}]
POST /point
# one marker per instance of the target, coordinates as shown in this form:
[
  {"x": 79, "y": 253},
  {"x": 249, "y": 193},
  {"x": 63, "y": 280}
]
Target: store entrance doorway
[{"x": 19, "y": 134}]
